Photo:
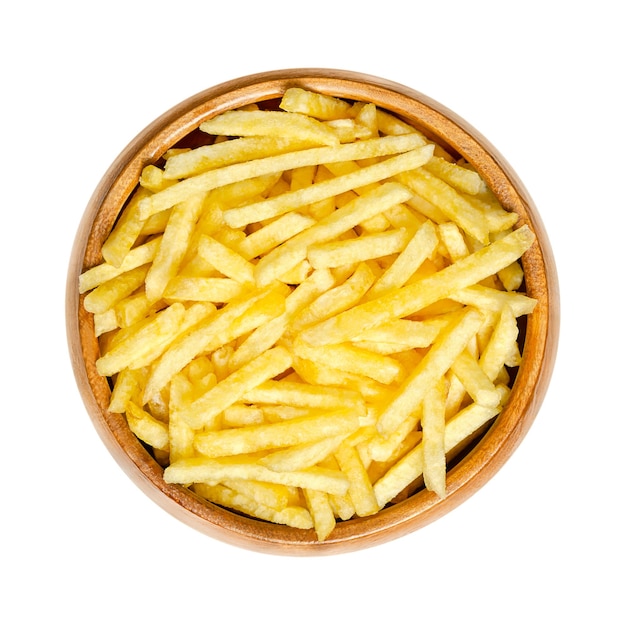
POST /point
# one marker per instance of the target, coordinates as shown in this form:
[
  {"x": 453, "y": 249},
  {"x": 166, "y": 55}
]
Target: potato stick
[
  {"x": 294, "y": 516},
  {"x": 225, "y": 260},
  {"x": 363, "y": 248},
  {"x": 181, "y": 435},
  {"x": 449, "y": 344},
  {"x": 98, "y": 274},
  {"x": 199, "y": 289},
  {"x": 270, "y": 124},
  {"x": 247, "y": 439},
  {"x": 416, "y": 251},
  {"x": 125, "y": 232},
  {"x": 478, "y": 385},
  {"x": 163, "y": 327},
  {"x": 146, "y": 427},
  {"x": 251, "y": 169},
  {"x": 302, "y": 455},
  {"x": 272, "y": 207},
  {"x": 360, "y": 489},
  {"x": 305, "y": 395},
  {"x": 422, "y": 293},
  {"x": 336, "y": 299},
  {"x": 349, "y": 358},
  {"x": 453, "y": 240},
  {"x": 106, "y": 295},
  {"x": 327, "y": 229},
  {"x": 273, "y": 234},
  {"x": 318, "y": 503},
  {"x": 457, "y": 176},
  {"x": 503, "y": 340},
  {"x": 193, "y": 315},
  {"x": 174, "y": 243},
  {"x": 207, "y": 336},
  {"x": 127, "y": 386},
  {"x": 450, "y": 202},
  {"x": 105, "y": 322},
  {"x": 201, "y": 470},
  {"x": 242, "y": 415},
  {"x": 487, "y": 298},
  {"x": 269, "y": 494},
  {"x": 410, "y": 467},
  {"x": 204, "y": 158},
  {"x": 433, "y": 439},
  {"x": 320, "y": 106},
  {"x": 203, "y": 411}
]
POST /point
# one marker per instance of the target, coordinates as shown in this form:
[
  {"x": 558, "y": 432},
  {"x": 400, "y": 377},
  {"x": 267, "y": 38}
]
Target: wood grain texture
[{"x": 467, "y": 476}]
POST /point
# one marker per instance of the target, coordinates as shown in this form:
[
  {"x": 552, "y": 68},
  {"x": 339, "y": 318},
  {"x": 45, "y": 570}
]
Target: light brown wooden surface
[{"x": 464, "y": 479}]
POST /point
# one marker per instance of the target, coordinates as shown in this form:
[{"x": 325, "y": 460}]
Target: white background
[{"x": 542, "y": 543}]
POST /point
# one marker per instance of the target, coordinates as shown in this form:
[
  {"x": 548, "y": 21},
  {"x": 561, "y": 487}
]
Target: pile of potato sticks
[{"x": 305, "y": 317}]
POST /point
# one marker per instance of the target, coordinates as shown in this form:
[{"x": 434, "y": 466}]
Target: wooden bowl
[{"x": 474, "y": 469}]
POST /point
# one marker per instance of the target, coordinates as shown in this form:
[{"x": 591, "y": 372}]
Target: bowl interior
[{"x": 472, "y": 467}]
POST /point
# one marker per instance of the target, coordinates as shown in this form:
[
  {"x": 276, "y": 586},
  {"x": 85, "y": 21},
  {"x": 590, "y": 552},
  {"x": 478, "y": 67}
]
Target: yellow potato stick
[
  {"x": 146, "y": 427},
  {"x": 318, "y": 503},
  {"x": 302, "y": 455},
  {"x": 449, "y": 344},
  {"x": 336, "y": 299},
  {"x": 273, "y": 234},
  {"x": 502, "y": 342},
  {"x": 247, "y": 439},
  {"x": 328, "y": 228},
  {"x": 226, "y": 324},
  {"x": 163, "y": 327},
  {"x": 269, "y": 124},
  {"x": 305, "y": 395},
  {"x": 349, "y": 358},
  {"x": 126, "y": 388},
  {"x": 450, "y": 202},
  {"x": 214, "y": 471},
  {"x": 201, "y": 289},
  {"x": 105, "y": 322},
  {"x": 457, "y": 176},
  {"x": 363, "y": 248},
  {"x": 360, "y": 490},
  {"x": 99, "y": 274},
  {"x": 420, "y": 294},
  {"x": 272, "y": 207},
  {"x": 416, "y": 251},
  {"x": 225, "y": 260},
  {"x": 106, "y": 295},
  {"x": 204, "y": 411},
  {"x": 411, "y": 466},
  {"x": 433, "y": 439},
  {"x": 489, "y": 299},
  {"x": 294, "y": 516},
  {"x": 269, "y": 494},
  {"x": 476, "y": 382},
  {"x": 173, "y": 248},
  {"x": 181, "y": 435},
  {"x": 125, "y": 232},
  {"x": 204, "y": 158},
  {"x": 320, "y": 106},
  {"x": 220, "y": 177}
]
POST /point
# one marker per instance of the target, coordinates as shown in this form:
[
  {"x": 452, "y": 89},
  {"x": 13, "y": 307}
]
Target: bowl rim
[{"x": 494, "y": 448}]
